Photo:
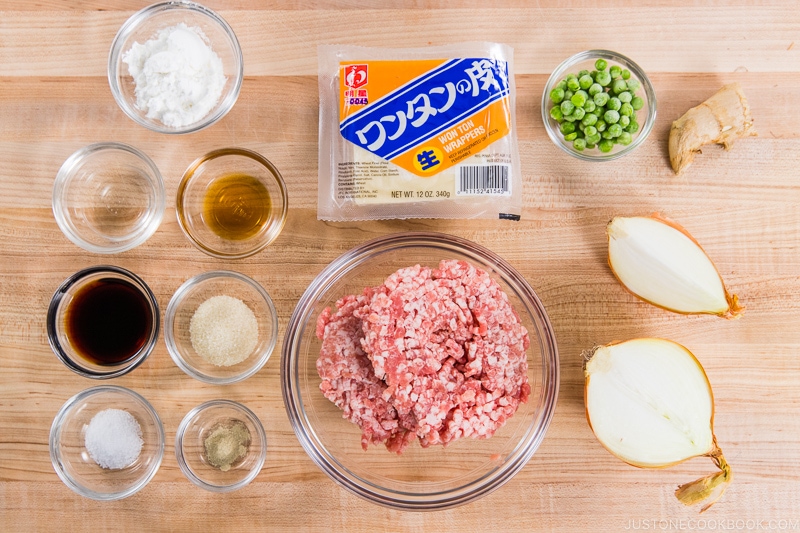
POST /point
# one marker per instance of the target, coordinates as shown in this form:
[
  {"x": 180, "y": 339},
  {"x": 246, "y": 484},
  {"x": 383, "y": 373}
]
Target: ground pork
[{"x": 431, "y": 354}]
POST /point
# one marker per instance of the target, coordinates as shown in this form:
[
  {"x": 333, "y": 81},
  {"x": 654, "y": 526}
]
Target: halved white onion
[
  {"x": 661, "y": 263},
  {"x": 649, "y": 402}
]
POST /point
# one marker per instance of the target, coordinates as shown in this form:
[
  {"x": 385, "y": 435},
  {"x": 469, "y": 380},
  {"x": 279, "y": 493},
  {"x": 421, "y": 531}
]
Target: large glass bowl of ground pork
[{"x": 420, "y": 371}]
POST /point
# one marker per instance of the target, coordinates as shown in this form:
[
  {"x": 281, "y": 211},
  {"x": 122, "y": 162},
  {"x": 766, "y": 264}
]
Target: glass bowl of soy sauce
[
  {"x": 232, "y": 203},
  {"x": 103, "y": 322}
]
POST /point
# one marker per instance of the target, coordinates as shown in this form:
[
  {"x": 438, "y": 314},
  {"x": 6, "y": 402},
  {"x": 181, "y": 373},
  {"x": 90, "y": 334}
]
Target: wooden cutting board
[{"x": 742, "y": 205}]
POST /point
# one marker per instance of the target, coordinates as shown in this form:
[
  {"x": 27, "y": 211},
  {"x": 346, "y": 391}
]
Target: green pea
[
  {"x": 589, "y": 120},
  {"x": 611, "y": 116},
  {"x": 578, "y": 113},
  {"x": 589, "y": 106},
  {"x": 579, "y": 98},
  {"x": 569, "y": 118},
  {"x": 625, "y": 138},
  {"x": 603, "y": 78},
  {"x": 589, "y": 131},
  {"x": 582, "y": 73},
  {"x": 601, "y": 126},
  {"x": 606, "y": 145},
  {"x": 590, "y": 146},
  {"x": 567, "y": 107},
  {"x": 557, "y": 95},
  {"x": 571, "y": 136},
  {"x": 633, "y": 127},
  {"x": 595, "y": 88},
  {"x": 637, "y": 103},
  {"x": 601, "y": 99},
  {"x": 568, "y": 94},
  {"x": 615, "y": 71},
  {"x": 579, "y": 144},
  {"x": 615, "y": 130},
  {"x": 634, "y": 85},
  {"x": 614, "y": 103},
  {"x": 573, "y": 84},
  {"x": 580, "y": 125},
  {"x": 626, "y": 109},
  {"x": 599, "y": 110},
  {"x": 567, "y": 128},
  {"x": 593, "y": 139},
  {"x": 626, "y": 74},
  {"x": 556, "y": 113},
  {"x": 624, "y": 121},
  {"x": 619, "y": 86},
  {"x": 625, "y": 97},
  {"x": 600, "y": 64},
  {"x": 562, "y": 85},
  {"x": 585, "y": 81}
]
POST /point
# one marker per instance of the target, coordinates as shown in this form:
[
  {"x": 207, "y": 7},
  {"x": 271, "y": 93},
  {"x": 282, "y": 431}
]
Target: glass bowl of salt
[
  {"x": 175, "y": 67},
  {"x": 220, "y": 327},
  {"x": 106, "y": 443}
]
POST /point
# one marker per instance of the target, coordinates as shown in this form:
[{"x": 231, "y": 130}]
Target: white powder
[
  {"x": 223, "y": 330},
  {"x": 179, "y": 79},
  {"x": 114, "y": 438}
]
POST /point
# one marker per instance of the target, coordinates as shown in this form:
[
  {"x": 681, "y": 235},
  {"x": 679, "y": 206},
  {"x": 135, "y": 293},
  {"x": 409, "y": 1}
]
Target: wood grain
[{"x": 743, "y": 205}]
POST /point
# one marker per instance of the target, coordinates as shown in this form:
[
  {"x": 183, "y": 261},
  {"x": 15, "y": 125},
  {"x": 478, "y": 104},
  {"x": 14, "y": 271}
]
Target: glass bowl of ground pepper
[
  {"x": 103, "y": 322},
  {"x": 220, "y": 327},
  {"x": 106, "y": 443},
  {"x": 232, "y": 203},
  {"x": 598, "y": 105},
  {"x": 220, "y": 445}
]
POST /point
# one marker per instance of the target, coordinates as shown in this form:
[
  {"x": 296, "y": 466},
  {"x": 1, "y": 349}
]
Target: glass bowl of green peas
[{"x": 598, "y": 105}]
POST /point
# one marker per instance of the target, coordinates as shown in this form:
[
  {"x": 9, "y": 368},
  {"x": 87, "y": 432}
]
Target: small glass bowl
[
  {"x": 190, "y": 438},
  {"x": 646, "y": 116},
  {"x": 108, "y": 197},
  {"x": 435, "y": 477},
  {"x": 145, "y": 25},
  {"x": 71, "y": 459},
  {"x": 185, "y": 302},
  {"x": 59, "y": 309},
  {"x": 196, "y": 185}
]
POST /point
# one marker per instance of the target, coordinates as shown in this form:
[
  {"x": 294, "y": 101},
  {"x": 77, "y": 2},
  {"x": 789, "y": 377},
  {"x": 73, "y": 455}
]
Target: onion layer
[{"x": 661, "y": 263}]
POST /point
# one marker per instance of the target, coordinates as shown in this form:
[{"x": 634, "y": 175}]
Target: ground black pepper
[{"x": 227, "y": 442}]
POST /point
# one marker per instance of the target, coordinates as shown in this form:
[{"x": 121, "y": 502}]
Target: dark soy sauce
[{"x": 108, "y": 321}]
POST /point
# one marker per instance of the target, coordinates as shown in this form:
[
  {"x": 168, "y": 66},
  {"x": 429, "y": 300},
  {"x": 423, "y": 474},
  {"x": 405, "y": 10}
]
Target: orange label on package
[{"x": 424, "y": 115}]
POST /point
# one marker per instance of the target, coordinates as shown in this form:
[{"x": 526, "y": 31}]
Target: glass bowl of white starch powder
[
  {"x": 175, "y": 67},
  {"x": 106, "y": 443},
  {"x": 220, "y": 327}
]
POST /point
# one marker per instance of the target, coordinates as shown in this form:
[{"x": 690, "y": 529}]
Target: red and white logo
[{"x": 355, "y": 76}]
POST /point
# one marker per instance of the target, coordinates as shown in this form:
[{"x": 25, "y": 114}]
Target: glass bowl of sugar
[
  {"x": 175, "y": 67},
  {"x": 106, "y": 443},
  {"x": 220, "y": 327}
]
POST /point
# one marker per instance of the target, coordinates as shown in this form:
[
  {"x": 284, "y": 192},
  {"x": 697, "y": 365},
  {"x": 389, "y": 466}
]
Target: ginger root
[{"x": 721, "y": 119}]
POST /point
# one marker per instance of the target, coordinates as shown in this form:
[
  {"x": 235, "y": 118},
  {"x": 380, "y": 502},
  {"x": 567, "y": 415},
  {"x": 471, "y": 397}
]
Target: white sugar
[{"x": 114, "y": 438}]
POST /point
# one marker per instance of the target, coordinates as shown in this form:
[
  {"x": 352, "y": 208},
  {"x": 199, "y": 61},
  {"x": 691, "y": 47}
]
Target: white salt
[{"x": 114, "y": 438}]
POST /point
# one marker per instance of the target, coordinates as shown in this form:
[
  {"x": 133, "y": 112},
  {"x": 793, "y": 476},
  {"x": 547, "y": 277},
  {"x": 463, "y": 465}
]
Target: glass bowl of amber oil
[
  {"x": 220, "y": 445},
  {"x": 232, "y": 203},
  {"x": 103, "y": 322}
]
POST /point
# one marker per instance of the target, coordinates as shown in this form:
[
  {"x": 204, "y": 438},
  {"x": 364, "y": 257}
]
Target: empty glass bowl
[
  {"x": 232, "y": 203},
  {"x": 220, "y": 445},
  {"x": 183, "y": 306},
  {"x": 153, "y": 111},
  {"x": 108, "y": 197},
  {"x": 72, "y": 460},
  {"x": 103, "y": 322},
  {"x": 429, "y": 478},
  {"x": 645, "y": 117}
]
